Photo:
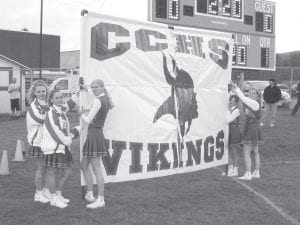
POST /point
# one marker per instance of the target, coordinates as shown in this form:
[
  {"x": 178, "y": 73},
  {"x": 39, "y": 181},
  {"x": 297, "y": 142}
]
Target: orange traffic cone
[
  {"x": 23, "y": 146},
  {"x": 4, "y": 168},
  {"x": 19, "y": 153}
]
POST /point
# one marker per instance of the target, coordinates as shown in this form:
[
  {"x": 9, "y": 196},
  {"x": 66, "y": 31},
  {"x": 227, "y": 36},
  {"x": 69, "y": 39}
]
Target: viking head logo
[{"x": 182, "y": 103}]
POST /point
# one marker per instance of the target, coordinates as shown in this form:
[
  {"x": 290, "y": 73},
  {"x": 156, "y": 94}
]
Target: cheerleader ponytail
[{"x": 110, "y": 102}]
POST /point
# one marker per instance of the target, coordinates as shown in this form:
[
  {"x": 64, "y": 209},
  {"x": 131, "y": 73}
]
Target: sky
[{"x": 62, "y": 17}]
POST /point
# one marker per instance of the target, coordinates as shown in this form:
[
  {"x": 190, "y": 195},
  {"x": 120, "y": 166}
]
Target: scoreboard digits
[
  {"x": 250, "y": 21},
  {"x": 174, "y": 9},
  {"x": 268, "y": 23},
  {"x": 242, "y": 55},
  {"x": 226, "y": 8},
  {"x": 234, "y": 55},
  {"x": 237, "y": 8},
  {"x": 213, "y": 7},
  {"x": 229, "y": 8}
]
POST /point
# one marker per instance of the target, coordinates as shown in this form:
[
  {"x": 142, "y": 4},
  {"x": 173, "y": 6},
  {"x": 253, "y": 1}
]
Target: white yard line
[
  {"x": 280, "y": 211},
  {"x": 282, "y": 162}
]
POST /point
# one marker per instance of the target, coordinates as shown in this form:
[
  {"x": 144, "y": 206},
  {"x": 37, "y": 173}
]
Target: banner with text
[{"x": 169, "y": 87}]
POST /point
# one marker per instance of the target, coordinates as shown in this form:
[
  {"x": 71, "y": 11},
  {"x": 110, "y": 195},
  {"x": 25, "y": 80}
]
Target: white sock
[
  {"x": 235, "y": 169},
  {"x": 52, "y": 196},
  {"x": 89, "y": 193},
  {"x": 38, "y": 192}
]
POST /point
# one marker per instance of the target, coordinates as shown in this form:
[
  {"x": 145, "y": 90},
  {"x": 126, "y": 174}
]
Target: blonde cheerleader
[
  {"x": 37, "y": 99},
  {"x": 252, "y": 135},
  {"x": 94, "y": 146}
]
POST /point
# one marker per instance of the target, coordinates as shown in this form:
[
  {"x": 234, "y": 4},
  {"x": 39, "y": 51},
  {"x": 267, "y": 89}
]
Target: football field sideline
[{"x": 268, "y": 201}]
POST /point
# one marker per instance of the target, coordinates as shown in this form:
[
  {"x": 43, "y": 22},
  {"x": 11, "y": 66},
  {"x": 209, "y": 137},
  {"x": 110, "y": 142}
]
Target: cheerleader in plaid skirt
[
  {"x": 56, "y": 148},
  {"x": 252, "y": 135},
  {"x": 94, "y": 146},
  {"x": 37, "y": 96}
]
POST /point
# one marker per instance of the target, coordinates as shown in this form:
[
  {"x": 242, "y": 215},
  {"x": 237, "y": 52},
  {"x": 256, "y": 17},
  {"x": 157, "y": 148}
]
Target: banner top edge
[{"x": 128, "y": 20}]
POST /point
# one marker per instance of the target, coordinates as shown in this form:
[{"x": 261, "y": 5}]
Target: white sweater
[
  {"x": 35, "y": 119},
  {"x": 232, "y": 115},
  {"x": 56, "y": 135}
]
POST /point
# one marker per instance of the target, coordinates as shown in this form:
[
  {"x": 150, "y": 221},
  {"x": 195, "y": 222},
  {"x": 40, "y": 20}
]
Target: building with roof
[
  {"x": 69, "y": 60},
  {"x": 20, "y": 54}
]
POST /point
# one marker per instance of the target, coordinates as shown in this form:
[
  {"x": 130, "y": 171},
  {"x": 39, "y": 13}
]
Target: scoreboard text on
[{"x": 252, "y": 23}]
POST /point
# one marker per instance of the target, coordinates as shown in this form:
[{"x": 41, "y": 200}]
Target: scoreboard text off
[{"x": 252, "y": 23}]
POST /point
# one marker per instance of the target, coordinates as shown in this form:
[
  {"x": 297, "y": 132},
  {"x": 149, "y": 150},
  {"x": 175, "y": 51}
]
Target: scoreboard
[{"x": 251, "y": 22}]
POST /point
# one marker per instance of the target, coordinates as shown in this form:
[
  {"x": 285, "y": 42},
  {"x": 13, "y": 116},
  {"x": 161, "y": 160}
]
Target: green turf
[{"x": 203, "y": 197}]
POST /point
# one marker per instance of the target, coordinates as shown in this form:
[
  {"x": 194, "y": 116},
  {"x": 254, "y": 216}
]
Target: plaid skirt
[
  {"x": 94, "y": 145},
  {"x": 252, "y": 134},
  {"x": 35, "y": 152},
  {"x": 59, "y": 160},
  {"x": 235, "y": 136}
]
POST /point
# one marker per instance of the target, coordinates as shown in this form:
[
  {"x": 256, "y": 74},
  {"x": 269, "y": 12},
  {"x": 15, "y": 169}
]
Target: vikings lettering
[
  {"x": 211, "y": 149},
  {"x": 150, "y": 40}
]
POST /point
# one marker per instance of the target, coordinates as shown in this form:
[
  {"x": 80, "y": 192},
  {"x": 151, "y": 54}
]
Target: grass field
[{"x": 203, "y": 197}]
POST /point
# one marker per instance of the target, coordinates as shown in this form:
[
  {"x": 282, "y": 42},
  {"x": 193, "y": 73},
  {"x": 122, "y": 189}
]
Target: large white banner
[{"x": 169, "y": 87}]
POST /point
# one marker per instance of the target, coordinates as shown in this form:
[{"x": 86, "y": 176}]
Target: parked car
[
  {"x": 260, "y": 85},
  {"x": 284, "y": 87}
]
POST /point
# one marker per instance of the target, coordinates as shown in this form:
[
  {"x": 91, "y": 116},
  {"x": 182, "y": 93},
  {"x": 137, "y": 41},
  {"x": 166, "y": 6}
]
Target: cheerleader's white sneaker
[
  {"x": 39, "y": 197},
  {"x": 256, "y": 174},
  {"x": 46, "y": 193},
  {"x": 55, "y": 201},
  {"x": 247, "y": 176},
  {"x": 232, "y": 173},
  {"x": 59, "y": 195},
  {"x": 97, "y": 204},
  {"x": 90, "y": 197}
]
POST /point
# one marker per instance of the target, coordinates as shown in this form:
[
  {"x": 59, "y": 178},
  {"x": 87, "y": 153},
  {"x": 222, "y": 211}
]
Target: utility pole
[{"x": 41, "y": 39}]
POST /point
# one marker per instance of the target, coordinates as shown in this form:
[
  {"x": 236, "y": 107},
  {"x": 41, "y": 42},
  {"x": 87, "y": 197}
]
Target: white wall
[{"x": 4, "y": 81}]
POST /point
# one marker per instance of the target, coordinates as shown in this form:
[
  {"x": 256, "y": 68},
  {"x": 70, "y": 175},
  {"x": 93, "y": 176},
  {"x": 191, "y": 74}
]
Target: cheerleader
[
  {"x": 56, "y": 147},
  {"x": 251, "y": 136},
  {"x": 94, "y": 146},
  {"x": 37, "y": 96},
  {"x": 235, "y": 135}
]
